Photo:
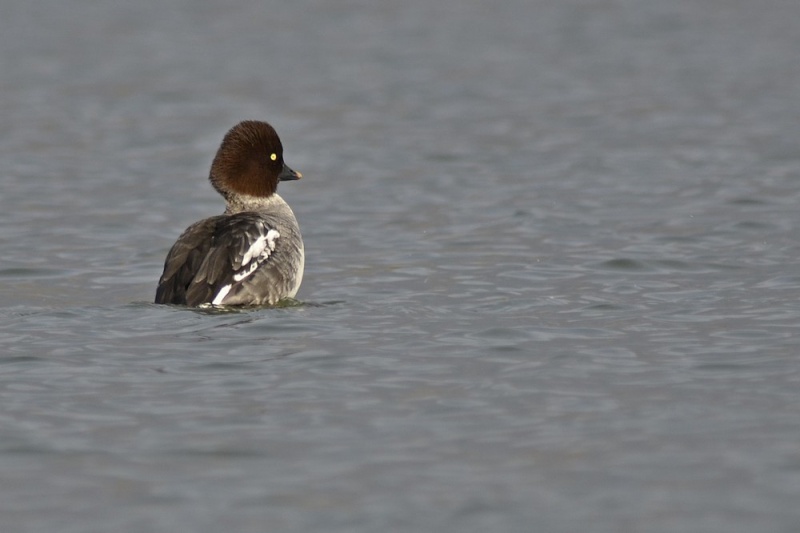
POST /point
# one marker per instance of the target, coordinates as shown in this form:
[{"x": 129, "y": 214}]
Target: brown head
[{"x": 250, "y": 161}]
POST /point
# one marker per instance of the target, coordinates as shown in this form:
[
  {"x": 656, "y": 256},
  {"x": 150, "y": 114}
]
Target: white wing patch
[
  {"x": 223, "y": 292},
  {"x": 258, "y": 252},
  {"x": 255, "y": 249}
]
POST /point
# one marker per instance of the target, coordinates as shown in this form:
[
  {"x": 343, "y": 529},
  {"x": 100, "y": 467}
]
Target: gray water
[{"x": 552, "y": 276}]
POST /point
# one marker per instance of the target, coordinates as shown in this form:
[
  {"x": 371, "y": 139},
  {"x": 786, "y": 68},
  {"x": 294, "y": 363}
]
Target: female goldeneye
[{"x": 251, "y": 255}]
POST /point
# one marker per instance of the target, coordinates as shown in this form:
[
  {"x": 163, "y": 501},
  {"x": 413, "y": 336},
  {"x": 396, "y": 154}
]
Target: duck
[{"x": 253, "y": 253}]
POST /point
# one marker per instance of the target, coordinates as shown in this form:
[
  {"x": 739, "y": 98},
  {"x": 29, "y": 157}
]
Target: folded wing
[{"x": 218, "y": 259}]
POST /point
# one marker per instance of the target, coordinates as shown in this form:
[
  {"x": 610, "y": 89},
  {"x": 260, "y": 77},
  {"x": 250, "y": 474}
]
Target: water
[{"x": 552, "y": 268}]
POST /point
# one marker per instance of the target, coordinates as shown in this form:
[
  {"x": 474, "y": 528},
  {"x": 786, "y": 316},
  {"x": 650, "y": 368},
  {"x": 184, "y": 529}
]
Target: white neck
[{"x": 245, "y": 202}]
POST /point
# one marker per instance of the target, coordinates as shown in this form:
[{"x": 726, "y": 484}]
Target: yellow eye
[{"x": 274, "y": 157}]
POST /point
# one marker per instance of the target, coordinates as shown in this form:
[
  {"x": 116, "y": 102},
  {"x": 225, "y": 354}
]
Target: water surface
[{"x": 552, "y": 274}]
